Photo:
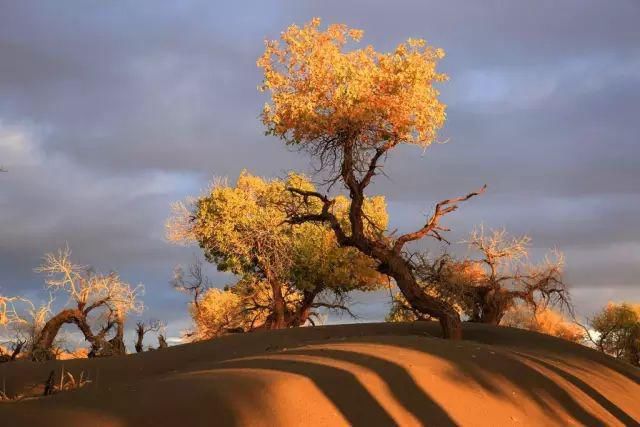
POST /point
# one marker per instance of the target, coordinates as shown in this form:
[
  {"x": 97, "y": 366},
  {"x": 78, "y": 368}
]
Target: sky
[{"x": 110, "y": 111}]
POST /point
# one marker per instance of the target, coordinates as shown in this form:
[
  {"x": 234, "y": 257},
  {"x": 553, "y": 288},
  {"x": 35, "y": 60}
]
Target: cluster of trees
[
  {"x": 97, "y": 304},
  {"x": 291, "y": 246},
  {"x": 295, "y": 250},
  {"x": 614, "y": 330}
]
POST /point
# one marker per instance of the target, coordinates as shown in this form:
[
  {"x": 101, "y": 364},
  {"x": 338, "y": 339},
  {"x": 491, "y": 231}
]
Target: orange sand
[{"x": 365, "y": 374}]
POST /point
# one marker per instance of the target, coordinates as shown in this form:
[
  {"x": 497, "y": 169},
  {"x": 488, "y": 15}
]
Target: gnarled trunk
[
  {"x": 303, "y": 311},
  {"x": 162, "y": 342},
  {"x": 388, "y": 252},
  {"x": 117, "y": 342},
  {"x": 490, "y": 305},
  {"x": 140, "y": 331},
  {"x": 42, "y": 348},
  {"x": 632, "y": 346},
  {"x": 277, "y": 319},
  {"x": 398, "y": 268},
  {"x": 392, "y": 262}
]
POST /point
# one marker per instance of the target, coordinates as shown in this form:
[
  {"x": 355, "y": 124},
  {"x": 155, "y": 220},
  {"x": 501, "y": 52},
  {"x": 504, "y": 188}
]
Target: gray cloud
[{"x": 110, "y": 111}]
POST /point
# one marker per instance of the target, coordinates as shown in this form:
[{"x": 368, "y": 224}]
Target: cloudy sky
[{"x": 109, "y": 111}]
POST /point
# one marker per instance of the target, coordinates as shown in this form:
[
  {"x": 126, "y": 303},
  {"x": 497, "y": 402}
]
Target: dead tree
[
  {"x": 508, "y": 277},
  {"x": 89, "y": 293},
  {"x": 142, "y": 328},
  {"x": 162, "y": 341},
  {"x": 15, "y": 348}
]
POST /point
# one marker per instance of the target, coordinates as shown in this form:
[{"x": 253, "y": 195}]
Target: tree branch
[
  {"x": 324, "y": 216},
  {"x": 334, "y": 307},
  {"x": 432, "y": 225},
  {"x": 373, "y": 163}
]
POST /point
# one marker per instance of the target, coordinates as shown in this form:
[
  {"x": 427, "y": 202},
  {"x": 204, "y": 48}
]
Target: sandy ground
[{"x": 366, "y": 374}]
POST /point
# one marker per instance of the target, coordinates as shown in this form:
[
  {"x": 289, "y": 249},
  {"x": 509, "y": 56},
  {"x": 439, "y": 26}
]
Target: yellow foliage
[
  {"x": 217, "y": 311},
  {"x": 321, "y": 89},
  {"x": 544, "y": 320},
  {"x": 243, "y": 229},
  {"x": 78, "y": 353}
]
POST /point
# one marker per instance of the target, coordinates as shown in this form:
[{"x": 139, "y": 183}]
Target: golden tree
[
  {"x": 350, "y": 108},
  {"x": 217, "y": 312},
  {"x": 283, "y": 270}
]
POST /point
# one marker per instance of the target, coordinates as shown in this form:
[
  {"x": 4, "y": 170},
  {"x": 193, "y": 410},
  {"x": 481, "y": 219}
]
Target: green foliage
[
  {"x": 401, "y": 311},
  {"x": 618, "y": 328},
  {"x": 243, "y": 229}
]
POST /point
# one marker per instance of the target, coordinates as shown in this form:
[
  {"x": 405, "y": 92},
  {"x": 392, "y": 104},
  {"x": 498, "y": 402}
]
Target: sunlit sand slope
[{"x": 366, "y": 374}]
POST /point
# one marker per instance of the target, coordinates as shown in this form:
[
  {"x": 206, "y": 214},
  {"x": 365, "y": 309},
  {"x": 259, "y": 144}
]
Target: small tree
[
  {"x": 283, "y": 271},
  {"x": 93, "y": 298},
  {"x": 505, "y": 277},
  {"x": 485, "y": 289},
  {"x": 350, "y": 109},
  {"x": 143, "y": 328},
  {"x": 617, "y": 328}
]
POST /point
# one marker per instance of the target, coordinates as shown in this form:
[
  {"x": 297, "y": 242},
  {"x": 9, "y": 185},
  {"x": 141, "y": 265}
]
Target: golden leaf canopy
[{"x": 321, "y": 90}]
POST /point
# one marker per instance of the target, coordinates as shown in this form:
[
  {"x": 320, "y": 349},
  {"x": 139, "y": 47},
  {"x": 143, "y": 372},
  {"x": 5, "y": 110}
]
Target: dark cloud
[{"x": 111, "y": 110}]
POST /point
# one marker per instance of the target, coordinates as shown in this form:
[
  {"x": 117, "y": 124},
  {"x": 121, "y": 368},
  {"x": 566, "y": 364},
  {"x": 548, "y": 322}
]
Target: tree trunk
[
  {"x": 117, "y": 342},
  {"x": 493, "y": 303},
  {"x": 303, "y": 312},
  {"x": 278, "y": 317},
  {"x": 491, "y": 312},
  {"x": 139, "y": 337},
  {"x": 162, "y": 342},
  {"x": 632, "y": 346},
  {"x": 392, "y": 262},
  {"x": 42, "y": 349},
  {"x": 398, "y": 268}
]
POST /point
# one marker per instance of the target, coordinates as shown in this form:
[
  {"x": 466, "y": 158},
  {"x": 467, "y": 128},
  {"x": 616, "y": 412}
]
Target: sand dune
[{"x": 365, "y": 374}]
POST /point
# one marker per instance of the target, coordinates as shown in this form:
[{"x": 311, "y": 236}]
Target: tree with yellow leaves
[
  {"x": 350, "y": 108},
  {"x": 283, "y": 270}
]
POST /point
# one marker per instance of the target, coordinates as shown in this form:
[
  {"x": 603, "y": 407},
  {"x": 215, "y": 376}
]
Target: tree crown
[
  {"x": 321, "y": 91},
  {"x": 243, "y": 229}
]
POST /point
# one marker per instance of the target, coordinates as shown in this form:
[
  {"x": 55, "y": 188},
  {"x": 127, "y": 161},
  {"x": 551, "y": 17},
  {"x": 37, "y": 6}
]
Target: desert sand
[{"x": 360, "y": 374}]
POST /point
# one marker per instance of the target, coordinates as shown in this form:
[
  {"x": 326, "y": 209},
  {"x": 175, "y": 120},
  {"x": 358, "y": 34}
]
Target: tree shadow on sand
[
  {"x": 343, "y": 388},
  {"x": 475, "y": 364},
  {"x": 528, "y": 340},
  {"x": 612, "y": 408},
  {"x": 486, "y": 368}
]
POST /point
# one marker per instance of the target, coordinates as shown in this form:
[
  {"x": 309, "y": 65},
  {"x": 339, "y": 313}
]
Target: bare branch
[{"x": 432, "y": 225}]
